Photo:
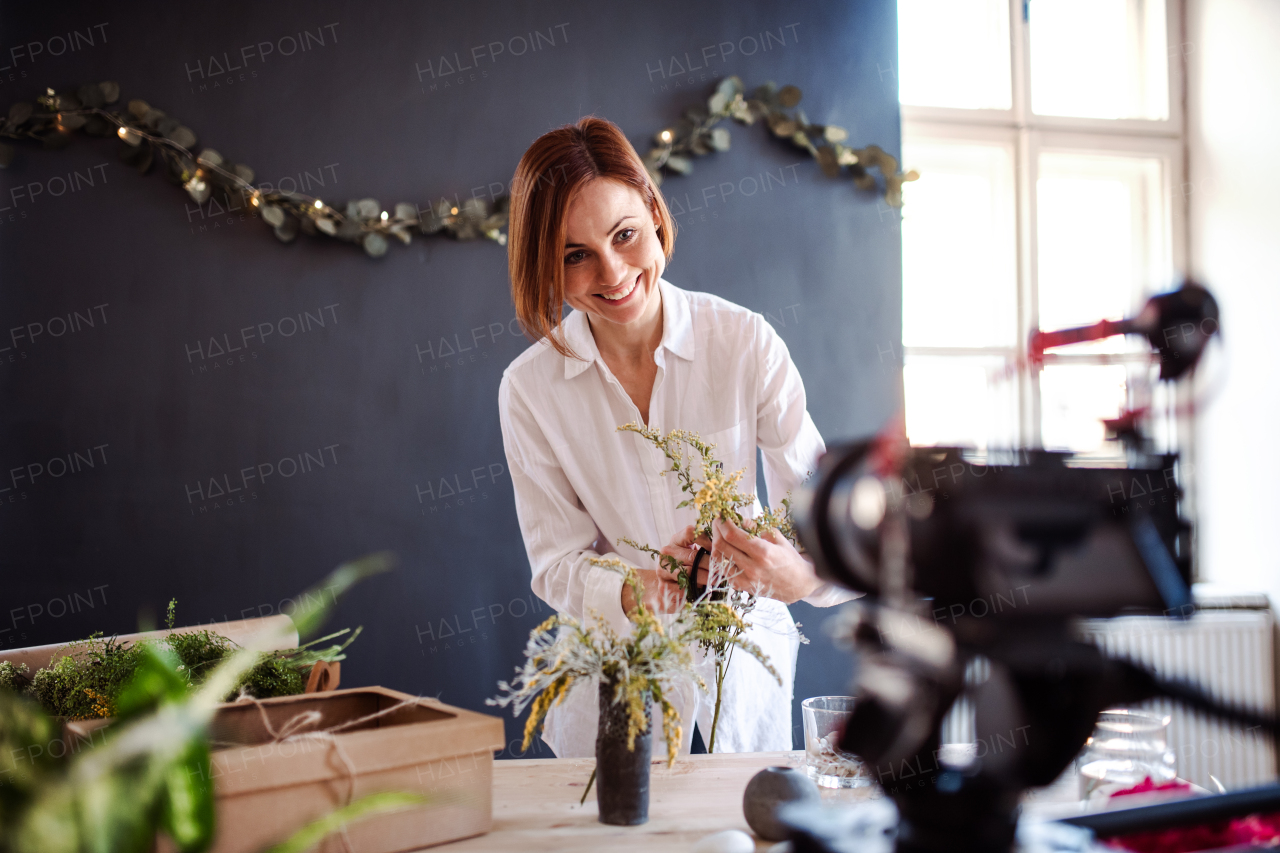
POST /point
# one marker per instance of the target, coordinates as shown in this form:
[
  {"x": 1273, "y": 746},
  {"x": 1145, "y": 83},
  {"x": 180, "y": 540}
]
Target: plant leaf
[{"x": 187, "y": 811}]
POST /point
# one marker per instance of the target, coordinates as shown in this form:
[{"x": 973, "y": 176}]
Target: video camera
[{"x": 966, "y": 560}]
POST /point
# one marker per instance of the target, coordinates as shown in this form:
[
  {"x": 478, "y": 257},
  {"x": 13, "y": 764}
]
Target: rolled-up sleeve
[
  {"x": 789, "y": 441},
  {"x": 560, "y": 537}
]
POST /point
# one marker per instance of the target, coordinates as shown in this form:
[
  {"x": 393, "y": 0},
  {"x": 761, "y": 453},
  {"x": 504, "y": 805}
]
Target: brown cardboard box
[{"x": 266, "y": 790}]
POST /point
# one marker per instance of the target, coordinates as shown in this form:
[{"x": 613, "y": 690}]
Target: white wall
[{"x": 1233, "y": 56}]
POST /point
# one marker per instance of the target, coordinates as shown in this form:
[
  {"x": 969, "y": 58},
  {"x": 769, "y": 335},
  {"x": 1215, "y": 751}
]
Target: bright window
[{"x": 1049, "y": 150}]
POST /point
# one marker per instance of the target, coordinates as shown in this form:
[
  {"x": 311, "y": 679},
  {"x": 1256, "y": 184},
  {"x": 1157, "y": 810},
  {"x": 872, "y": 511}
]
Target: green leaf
[
  {"x": 788, "y": 97},
  {"x": 831, "y": 133},
  {"x": 287, "y": 230},
  {"x": 680, "y": 165},
  {"x": 718, "y": 103},
  {"x": 367, "y": 208},
  {"x": 156, "y": 680},
  {"x": 326, "y": 225},
  {"x": 785, "y": 127},
  {"x": 374, "y": 244},
  {"x": 110, "y": 91},
  {"x": 272, "y": 215},
  {"x": 182, "y": 135},
  {"x": 730, "y": 86},
  {"x": 139, "y": 109},
  {"x": 404, "y": 210},
  {"x": 720, "y": 139},
  {"x": 209, "y": 157},
  {"x": 187, "y": 811},
  {"x": 372, "y": 804},
  {"x": 6, "y": 155}
]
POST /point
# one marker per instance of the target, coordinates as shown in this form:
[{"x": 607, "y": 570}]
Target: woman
[{"x": 589, "y": 228}]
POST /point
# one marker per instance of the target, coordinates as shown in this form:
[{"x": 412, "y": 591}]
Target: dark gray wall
[{"x": 348, "y": 362}]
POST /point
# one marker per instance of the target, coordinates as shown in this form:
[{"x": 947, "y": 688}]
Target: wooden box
[{"x": 266, "y": 789}]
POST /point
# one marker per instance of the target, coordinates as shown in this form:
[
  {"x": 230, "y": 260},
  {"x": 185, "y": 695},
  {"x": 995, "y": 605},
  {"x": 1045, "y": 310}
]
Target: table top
[{"x": 535, "y": 804}]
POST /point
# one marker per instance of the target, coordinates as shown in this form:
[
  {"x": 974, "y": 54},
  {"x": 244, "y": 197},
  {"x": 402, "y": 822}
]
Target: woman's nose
[{"x": 613, "y": 268}]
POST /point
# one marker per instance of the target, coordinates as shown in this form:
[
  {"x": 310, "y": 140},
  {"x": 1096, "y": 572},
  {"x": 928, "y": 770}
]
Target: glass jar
[
  {"x": 1126, "y": 748},
  {"x": 824, "y": 761}
]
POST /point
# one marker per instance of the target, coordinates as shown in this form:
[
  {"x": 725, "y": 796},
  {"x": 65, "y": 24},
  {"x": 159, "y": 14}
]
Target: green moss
[
  {"x": 13, "y": 678},
  {"x": 86, "y": 680},
  {"x": 200, "y": 652},
  {"x": 272, "y": 677}
]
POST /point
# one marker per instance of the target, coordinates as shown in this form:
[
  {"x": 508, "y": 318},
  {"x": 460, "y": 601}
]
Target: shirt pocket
[{"x": 735, "y": 448}]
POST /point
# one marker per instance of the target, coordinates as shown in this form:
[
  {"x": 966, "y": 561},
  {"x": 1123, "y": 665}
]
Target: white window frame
[{"x": 1030, "y": 134}]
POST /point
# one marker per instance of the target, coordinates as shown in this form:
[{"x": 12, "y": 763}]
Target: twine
[{"x": 291, "y": 731}]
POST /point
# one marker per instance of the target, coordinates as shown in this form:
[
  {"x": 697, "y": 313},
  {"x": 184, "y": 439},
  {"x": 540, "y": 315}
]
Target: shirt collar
[{"x": 677, "y": 331}]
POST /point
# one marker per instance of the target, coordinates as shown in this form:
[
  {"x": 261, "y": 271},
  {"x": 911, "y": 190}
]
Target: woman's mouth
[{"x": 622, "y": 293}]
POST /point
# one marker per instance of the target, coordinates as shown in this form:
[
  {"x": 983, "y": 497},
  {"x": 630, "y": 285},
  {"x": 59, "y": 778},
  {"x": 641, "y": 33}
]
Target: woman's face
[{"x": 612, "y": 255}]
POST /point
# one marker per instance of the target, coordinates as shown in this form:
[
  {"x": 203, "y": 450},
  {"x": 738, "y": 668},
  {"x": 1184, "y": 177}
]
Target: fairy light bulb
[
  {"x": 319, "y": 204},
  {"x": 384, "y": 216},
  {"x": 665, "y": 136}
]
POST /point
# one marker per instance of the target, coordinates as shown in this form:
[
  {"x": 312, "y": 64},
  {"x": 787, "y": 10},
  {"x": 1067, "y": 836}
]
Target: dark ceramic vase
[{"x": 622, "y": 775}]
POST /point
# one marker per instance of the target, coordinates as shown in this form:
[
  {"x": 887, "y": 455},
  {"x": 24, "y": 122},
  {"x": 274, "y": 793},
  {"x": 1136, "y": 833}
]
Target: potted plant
[
  {"x": 634, "y": 673},
  {"x": 715, "y": 495}
]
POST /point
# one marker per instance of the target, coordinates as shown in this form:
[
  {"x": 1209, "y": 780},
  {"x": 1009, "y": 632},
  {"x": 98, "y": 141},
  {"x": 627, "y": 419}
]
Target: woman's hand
[
  {"x": 683, "y": 546},
  {"x": 767, "y": 565},
  {"x": 662, "y": 594}
]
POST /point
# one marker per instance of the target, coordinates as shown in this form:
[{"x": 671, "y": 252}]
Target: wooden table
[{"x": 535, "y": 804}]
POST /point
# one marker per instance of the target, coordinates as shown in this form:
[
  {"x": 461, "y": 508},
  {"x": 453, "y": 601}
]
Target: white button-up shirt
[{"x": 580, "y": 485}]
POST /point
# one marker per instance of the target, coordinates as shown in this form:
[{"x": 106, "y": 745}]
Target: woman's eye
[
  {"x": 626, "y": 234},
  {"x": 575, "y": 258}
]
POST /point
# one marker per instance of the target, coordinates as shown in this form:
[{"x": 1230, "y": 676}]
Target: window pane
[
  {"x": 1073, "y": 401},
  {"x": 963, "y": 401},
  {"x": 1103, "y": 228},
  {"x": 1099, "y": 58},
  {"x": 959, "y": 256},
  {"x": 954, "y": 53}
]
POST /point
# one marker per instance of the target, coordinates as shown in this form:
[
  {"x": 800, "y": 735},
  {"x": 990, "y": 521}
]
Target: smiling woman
[{"x": 590, "y": 229}]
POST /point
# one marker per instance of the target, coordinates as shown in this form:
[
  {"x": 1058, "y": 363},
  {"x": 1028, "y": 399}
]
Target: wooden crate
[{"x": 266, "y": 790}]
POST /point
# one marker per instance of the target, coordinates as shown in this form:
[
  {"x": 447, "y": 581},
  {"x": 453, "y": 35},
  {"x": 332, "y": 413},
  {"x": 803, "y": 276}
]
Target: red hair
[{"x": 550, "y": 173}]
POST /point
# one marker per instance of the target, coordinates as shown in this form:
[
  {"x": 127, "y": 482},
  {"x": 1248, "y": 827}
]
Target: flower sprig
[
  {"x": 712, "y": 492},
  {"x": 651, "y": 661}
]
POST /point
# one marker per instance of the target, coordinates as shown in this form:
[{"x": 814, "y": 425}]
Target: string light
[
  {"x": 204, "y": 174},
  {"x": 665, "y": 136}
]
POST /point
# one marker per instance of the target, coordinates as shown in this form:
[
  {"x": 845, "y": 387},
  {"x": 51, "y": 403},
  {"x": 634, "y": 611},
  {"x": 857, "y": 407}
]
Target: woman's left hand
[{"x": 767, "y": 565}]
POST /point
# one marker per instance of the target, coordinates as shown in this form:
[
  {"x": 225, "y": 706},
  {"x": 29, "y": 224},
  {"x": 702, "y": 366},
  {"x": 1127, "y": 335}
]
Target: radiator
[{"x": 1228, "y": 652}]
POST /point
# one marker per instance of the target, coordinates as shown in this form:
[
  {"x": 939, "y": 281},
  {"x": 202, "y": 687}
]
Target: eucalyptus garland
[
  {"x": 699, "y": 133},
  {"x": 149, "y": 136}
]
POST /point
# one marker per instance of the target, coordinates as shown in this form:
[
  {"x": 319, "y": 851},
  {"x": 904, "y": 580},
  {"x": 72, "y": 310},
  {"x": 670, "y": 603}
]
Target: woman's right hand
[
  {"x": 682, "y": 548},
  {"x": 662, "y": 594}
]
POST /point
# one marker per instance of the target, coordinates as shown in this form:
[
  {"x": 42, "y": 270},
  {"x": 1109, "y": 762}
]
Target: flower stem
[
  {"x": 721, "y": 669},
  {"x": 587, "y": 790}
]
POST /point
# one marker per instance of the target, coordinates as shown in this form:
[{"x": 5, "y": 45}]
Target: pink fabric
[{"x": 1257, "y": 830}]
